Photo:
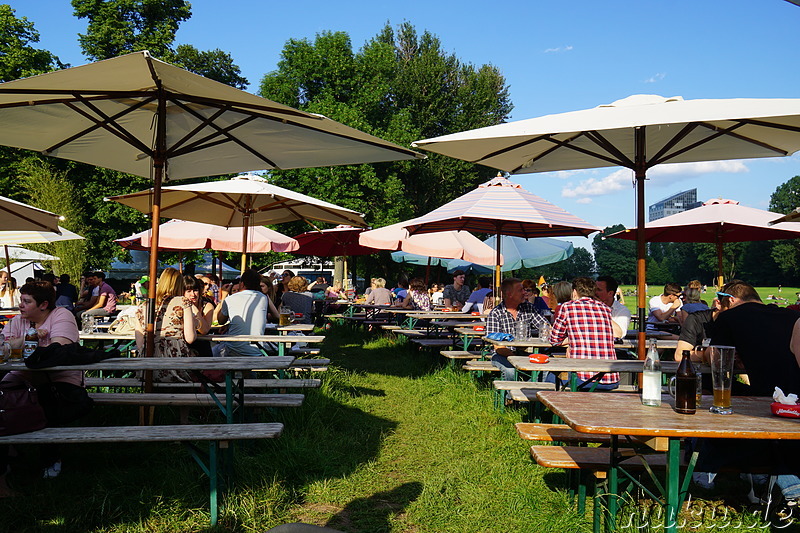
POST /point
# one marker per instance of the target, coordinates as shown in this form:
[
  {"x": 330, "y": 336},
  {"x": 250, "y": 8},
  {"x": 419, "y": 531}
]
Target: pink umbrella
[
  {"x": 177, "y": 235},
  {"x": 501, "y": 207},
  {"x": 716, "y": 221},
  {"x": 442, "y": 244}
]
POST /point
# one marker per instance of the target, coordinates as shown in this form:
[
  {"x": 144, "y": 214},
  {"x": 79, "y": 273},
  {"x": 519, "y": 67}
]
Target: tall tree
[
  {"x": 615, "y": 257},
  {"x": 786, "y": 254},
  {"x": 401, "y": 87},
  {"x": 118, "y": 27},
  {"x": 580, "y": 263},
  {"x": 18, "y": 58}
]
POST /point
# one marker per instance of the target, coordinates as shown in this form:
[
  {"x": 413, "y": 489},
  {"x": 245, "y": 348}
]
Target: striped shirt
[{"x": 587, "y": 323}]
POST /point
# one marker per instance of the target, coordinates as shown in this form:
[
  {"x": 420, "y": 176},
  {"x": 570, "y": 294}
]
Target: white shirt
[
  {"x": 657, "y": 304},
  {"x": 621, "y": 315}
]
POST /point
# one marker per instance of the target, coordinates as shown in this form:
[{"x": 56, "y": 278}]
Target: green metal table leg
[
  {"x": 213, "y": 482},
  {"x": 673, "y": 480},
  {"x": 613, "y": 485}
]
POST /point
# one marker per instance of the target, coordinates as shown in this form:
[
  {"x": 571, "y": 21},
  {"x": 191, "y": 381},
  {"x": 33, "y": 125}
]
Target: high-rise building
[{"x": 677, "y": 203}]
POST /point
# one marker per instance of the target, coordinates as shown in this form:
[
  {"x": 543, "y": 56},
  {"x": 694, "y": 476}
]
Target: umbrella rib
[
  {"x": 597, "y": 138},
  {"x": 192, "y": 133},
  {"x": 686, "y": 130},
  {"x": 566, "y": 144},
  {"x": 105, "y": 123},
  {"x": 26, "y": 218},
  {"x": 764, "y": 124},
  {"x": 718, "y": 133},
  {"x": 198, "y": 145},
  {"x": 754, "y": 141},
  {"x": 284, "y": 203}
]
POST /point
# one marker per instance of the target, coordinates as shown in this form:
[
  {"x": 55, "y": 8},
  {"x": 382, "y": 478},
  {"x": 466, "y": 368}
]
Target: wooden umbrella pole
[
  {"x": 641, "y": 265},
  {"x": 8, "y": 261},
  {"x": 245, "y": 228},
  {"x": 497, "y": 281},
  {"x": 720, "y": 274}
]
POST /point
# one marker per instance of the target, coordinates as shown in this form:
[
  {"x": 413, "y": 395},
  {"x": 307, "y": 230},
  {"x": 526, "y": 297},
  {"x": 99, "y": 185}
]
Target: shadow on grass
[
  {"x": 373, "y": 514},
  {"x": 377, "y": 352}
]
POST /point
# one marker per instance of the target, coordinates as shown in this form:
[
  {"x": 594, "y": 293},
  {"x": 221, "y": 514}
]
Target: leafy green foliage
[
  {"x": 18, "y": 59},
  {"x": 580, "y": 263},
  {"x": 401, "y": 87},
  {"x": 615, "y": 257},
  {"x": 214, "y": 64},
  {"x": 118, "y": 27}
]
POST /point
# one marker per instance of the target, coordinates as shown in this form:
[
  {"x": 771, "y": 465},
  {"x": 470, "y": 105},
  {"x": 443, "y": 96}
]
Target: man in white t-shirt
[
  {"x": 664, "y": 306},
  {"x": 605, "y": 291},
  {"x": 245, "y": 312}
]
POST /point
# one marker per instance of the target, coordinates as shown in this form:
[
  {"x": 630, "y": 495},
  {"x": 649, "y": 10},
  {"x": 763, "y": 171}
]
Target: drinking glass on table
[
  {"x": 721, "y": 360},
  {"x": 15, "y": 343}
]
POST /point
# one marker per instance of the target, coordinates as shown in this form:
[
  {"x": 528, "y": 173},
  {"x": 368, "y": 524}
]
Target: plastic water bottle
[{"x": 651, "y": 383}]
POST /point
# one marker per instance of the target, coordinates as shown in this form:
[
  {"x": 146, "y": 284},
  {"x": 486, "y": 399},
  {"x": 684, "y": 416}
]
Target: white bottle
[{"x": 651, "y": 383}]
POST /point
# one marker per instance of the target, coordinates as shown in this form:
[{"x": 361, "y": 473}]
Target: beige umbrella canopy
[
  {"x": 638, "y": 132},
  {"x": 243, "y": 201},
  {"x": 23, "y": 217},
  {"x": 140, "y": 115}
]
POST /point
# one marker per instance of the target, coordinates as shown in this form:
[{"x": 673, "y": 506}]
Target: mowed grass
[{"x": 393, "y": 441}]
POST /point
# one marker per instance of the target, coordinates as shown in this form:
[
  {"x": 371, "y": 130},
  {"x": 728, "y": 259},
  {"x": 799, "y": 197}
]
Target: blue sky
[{"x": 556, "y": 57}]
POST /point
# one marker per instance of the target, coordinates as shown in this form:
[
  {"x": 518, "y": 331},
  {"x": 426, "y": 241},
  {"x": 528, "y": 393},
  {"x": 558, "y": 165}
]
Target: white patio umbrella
[
  {"x": 638, "y": 133},
  {"x": 15, "y": 215},
  {"x": 19, "y": 253},
  {"x": 140, "y": 115},
  {"x": 243, "y": 201}
]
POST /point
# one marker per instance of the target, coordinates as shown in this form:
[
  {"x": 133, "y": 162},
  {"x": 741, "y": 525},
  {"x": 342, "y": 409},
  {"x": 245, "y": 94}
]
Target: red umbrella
[
  {"x": 339, "y": 241},
  {"x": 717, "y": 221}
]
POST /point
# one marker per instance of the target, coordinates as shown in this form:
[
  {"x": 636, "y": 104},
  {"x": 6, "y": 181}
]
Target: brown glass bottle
[{"x": 686, "y": 386}]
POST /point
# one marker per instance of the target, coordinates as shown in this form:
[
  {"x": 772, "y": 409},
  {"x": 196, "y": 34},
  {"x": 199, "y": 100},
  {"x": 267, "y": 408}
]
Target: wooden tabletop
[
  {"x": 624, "y": 414},
  {"x": 567, "y": 364},
  {"x": 470, "y": 331},
  {"x": 214, "y": 337},
  {"x": 536, "y": 343},
  {"x": 175, "y": 363}
]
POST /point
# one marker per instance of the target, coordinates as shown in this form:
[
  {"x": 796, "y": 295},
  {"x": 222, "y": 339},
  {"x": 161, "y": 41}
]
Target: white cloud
[
  {"x": 584, "y": 200},
  {"x": 656, "y": 77},
  {"x": 666, "y": 174},
  {"x": 566, "y": 48}
]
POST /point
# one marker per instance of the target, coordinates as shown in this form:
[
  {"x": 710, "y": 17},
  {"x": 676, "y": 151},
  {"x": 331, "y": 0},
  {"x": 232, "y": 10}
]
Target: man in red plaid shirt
[{"x": 587, "y": 323}]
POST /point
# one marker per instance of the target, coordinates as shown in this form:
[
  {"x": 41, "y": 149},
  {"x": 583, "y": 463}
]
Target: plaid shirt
[
  {"x": 587, "y": 323},
  {"x": 501, "y": 320}
]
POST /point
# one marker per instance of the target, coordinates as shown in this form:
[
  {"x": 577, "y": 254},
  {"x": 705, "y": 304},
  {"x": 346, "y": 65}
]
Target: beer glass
[
  {"x": 721, "y": 359},
  {"x": 16, "y": 343}
]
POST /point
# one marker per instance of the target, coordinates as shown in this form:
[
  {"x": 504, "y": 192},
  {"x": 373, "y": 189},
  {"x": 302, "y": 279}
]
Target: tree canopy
[{"x": 399, "y": 86}]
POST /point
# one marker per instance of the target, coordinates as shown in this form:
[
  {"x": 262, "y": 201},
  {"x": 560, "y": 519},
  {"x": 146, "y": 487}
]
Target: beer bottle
[{"x": 686, "y": 386}]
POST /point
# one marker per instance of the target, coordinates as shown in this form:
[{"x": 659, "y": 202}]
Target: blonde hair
[
  {"x": 170, "y": 284},
  {"x": 380, "y": 283},
  {"x": 298, "y": 284}
]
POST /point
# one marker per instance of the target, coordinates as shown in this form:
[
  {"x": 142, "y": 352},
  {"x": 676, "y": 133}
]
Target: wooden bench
[
  {"x": 557, "y": 433},
  {"x": 248, "y": 383},
  {"x": 410, "y": 333},
  {"x": 459, "y": 354},
  {"x": 519, "y": 391},
  {"x": 216, "y": 434},
  {"x": 432, "y": 343},
  {"x": 480, "y": 367},
  {"x": 192, "y": 399},
  {"x": 391, "y": 327}
]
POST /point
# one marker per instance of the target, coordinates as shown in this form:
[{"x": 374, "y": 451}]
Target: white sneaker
[
  {"x": 704, "y": 480},
  {"x": 52, "y": 471}
]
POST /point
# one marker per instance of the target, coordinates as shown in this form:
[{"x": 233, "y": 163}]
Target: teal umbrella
[
  {"x": 519, "y": 252},
  {"x": 414, "y": 259}
]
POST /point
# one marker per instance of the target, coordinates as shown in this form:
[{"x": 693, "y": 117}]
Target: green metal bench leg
[
  {"x": 582, "y": 480},
  {"x": 210, "y": 467}
]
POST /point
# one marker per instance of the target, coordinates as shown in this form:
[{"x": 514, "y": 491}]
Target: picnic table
[
  {"x": 623, "y": 414},
  {"x": 536, "y": 343}
]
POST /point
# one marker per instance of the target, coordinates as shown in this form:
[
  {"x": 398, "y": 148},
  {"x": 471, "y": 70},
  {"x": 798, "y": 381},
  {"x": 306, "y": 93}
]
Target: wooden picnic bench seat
[
  {"x": 410, "y": 333},
  {"x": 432, "y": 343},
  {"x": 391, "y": 327},
  {"x": 192, "y": 399},
  {"x": 557, "y": 433},
  {"x": 214, "y": 434},
  {"x": 480, "y": 366},
  {"x": 248, "y": 383},
  {"x": 460, "y": 354}
]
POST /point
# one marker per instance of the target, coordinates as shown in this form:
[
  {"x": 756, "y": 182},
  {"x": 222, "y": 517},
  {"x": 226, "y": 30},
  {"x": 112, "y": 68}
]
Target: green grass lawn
[{"x": 393, "y": 441}]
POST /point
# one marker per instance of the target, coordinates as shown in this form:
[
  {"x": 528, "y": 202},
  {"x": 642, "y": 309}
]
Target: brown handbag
[{"x": 20, "y": 410}]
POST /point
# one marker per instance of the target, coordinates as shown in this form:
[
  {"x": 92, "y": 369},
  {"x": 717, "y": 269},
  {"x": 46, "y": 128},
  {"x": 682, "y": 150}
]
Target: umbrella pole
[
  {"x": 497, "y": 297},
  {"x": 244, "y": 235},
  {"x": 720, "y": 274},
  {"x": 8, "y": 260},
  {"x": 641, "y": 266},
  {"x": 180, "y": 261},
  {"x": 427, "y": 272}
]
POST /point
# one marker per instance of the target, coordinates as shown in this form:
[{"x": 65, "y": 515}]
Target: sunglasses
[{"x": 724, "y": 295}]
